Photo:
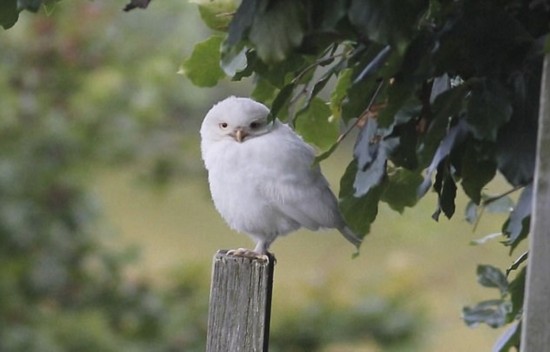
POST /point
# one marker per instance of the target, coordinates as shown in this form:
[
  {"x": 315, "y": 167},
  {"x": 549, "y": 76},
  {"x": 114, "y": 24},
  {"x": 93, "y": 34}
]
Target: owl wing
[{"x": 296, "y": 187}]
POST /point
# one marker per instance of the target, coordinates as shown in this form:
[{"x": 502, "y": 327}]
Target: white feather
[{"x": 265, "y": 186}]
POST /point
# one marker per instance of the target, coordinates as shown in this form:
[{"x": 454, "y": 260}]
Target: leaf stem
[
  {"x": 490, "y": 200},
  {"x": 341, "y": 137},
  {"x": 363, "y": 114},
  {"x": 318, "y": 62},
  {"x": 495, "y": 198},
  {"x": 478, "y": 217}
]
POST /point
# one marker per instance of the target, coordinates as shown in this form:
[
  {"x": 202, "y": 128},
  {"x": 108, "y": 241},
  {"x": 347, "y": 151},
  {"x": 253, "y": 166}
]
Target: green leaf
[
  {"x": 238, "y": 30},
  {"x": 492, "y": 312},
  {"x": 264, "y": 91},
  {"x": 359, "y": 94},
  {"x": 517, "y": 148},
  {"x": 237, "y": 64},
  {"x": 449, "y": 103},
  {"x": 9, "y": 13},
  {"x": 515, "y": 265},
  {"x": 445, "y": 188},
  {"x": 371, "y": 152},
  {"x": 203, "y": 66},
  {"x": 401, "y": 189},
  {"x": 488, "y": 109},
  {"x": 509, "y": 340},
  {"x": 490, "y": 276},
  {"x": 470, "y": 215},
  {"x": 399, "y": 94},
  {"x": 374, "y": 65},
  {"x": 446, "y": 105},
  {"x": 372, "y": 176},
  {"x": 455, "y": 136},
  {"x": 30, "y": 5},
  {"x": 440, "y": 84},
  {"x": 331, "y": 13},
  {"x": 49, "y": 6},
  {"x": 241, "y": 22},
  {"x": 282, "y": 73},
  {"x": 478, "y": 167},
  {"x": 216, "y": 14},
  {"x": 517, "y": 226},
  {"x": 277, "y": 28},
  {"x": 324, "y": 155},
  {"x": 517, "y": 291},
  {"x": 404, "y": 155},
  {"x": 415, "y": 67},
  {"x": 447, "y": 197},
  {"x": 315, "y": 125},
  {"x": 317, "y": 88},
  {"x": 408, "y": 73},
  {"x": 312, "y": 92},
  {"x": 339, "y": 92},
  {"x": 281, "y": 100},
  {"x": 517, "y": 139},
  {"x": 250, "y": 59},
  {"x": 490, "y": 204},
  {"x": 385, "y": 21},
  {"x": 367, "y": 144},
  {"x": 360, "y": 212},
  {"x": 498, "y": 204}
]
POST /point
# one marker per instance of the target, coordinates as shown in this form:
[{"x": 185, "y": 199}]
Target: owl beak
[{"x": 240, "y": 134}]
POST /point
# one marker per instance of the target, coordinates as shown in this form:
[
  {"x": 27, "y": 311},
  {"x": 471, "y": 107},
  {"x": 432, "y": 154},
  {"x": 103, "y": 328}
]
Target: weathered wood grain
[
  {"x": 240, "y": 304},
  {"x": 536, "y": 321}
]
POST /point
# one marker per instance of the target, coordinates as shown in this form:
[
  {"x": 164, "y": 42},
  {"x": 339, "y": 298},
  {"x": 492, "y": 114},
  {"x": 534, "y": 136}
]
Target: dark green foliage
[
  {"x": 444, "y": 91},
  {"x": 198, "y": 67},
  {"x": 504, "y": 310},
  {"x": 478, "y": 168},
  {"x": 516, "y": 227},
  {"x": 66, "y": 112},
  {"x": 371, "y": 152},
  {"x": 447, "y": 86},
  {"x": 10, "y": 9},
  {"x": 488, "y": 109},
  {"x": 314, "y": 125},
  {"x": 510, "y": 339},
  {"x": 365, "y": 206},
  {"x": 401, "y": 190},
  {"x": 8, "y": 13},
  {"x": 387, "y": 22},
  {"x": 384, "y": 322}
]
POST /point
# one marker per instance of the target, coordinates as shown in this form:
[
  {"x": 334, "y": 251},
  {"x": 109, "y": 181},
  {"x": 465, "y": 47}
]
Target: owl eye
[
  {"x": 255, "y": 124},
  {"x": 223, "y": 125}
]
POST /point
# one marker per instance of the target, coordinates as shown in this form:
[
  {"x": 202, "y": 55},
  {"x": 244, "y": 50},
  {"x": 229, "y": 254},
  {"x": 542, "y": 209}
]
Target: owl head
[{"x": 234, "y": 118}]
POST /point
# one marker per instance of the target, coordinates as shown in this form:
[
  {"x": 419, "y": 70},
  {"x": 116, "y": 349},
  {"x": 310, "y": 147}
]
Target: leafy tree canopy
[
  {"x": 73, "y": 99},
  {"x": 445, "y": 93}
]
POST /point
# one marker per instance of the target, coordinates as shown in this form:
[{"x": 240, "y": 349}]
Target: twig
[
  {"x": 364, "y": 113},
  {"x": 319, "y": 62},
  {"x": 490, "y": 200},
  {"x": 495, "y": 198}
]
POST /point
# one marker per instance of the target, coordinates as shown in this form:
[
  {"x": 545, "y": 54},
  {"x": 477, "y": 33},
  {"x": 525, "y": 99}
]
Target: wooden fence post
[
  {"x": 536, "y": 320},
  {"x": 240, "y": 304}
]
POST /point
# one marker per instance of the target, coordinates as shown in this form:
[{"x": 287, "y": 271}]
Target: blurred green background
[{"x": 107, "y": 231}]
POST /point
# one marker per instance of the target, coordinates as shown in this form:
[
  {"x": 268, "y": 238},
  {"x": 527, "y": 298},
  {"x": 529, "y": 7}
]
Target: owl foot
[{"x": 248, "y": 253}]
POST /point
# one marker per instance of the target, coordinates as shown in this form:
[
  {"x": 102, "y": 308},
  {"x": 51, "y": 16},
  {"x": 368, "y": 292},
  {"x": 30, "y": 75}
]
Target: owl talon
[{"x": 248, "y": 253}]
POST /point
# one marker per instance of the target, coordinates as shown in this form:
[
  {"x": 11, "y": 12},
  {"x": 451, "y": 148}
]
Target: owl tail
[{"x": 350, "y": 236}]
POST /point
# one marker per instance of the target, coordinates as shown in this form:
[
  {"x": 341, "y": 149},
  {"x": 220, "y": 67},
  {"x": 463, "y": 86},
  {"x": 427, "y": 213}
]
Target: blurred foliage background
[{"x": 106, "y": 227}]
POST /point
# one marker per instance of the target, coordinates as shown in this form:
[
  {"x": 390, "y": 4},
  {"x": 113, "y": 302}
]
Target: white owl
[{"x": 262, "y": 176}]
